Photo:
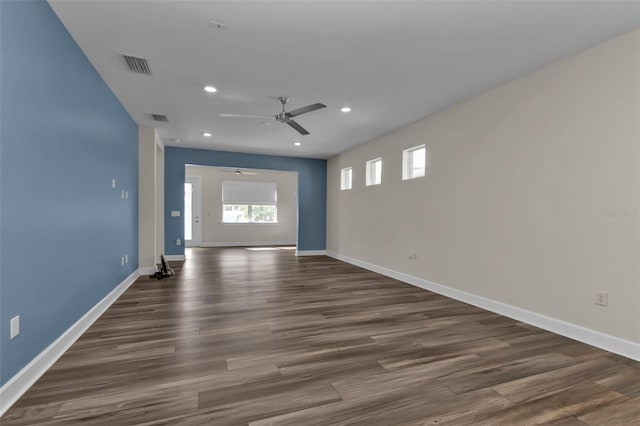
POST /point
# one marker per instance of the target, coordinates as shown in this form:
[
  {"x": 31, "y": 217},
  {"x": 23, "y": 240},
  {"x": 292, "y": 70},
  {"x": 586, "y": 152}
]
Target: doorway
[
  {"x": 243, "y": 207},
  {"x": 192, "y": 211}
]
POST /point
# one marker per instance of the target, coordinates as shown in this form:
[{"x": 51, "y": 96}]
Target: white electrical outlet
[
  {"x": 178, "y": 242},
  {"x": 15, "y": 326},
  {"x": 126, "y": 195},
  {"x": 126, "y": 258},
  {"x": 122, "y": 194},
  {"x": 602, "y": 298},
  {"x": 113, "y": 183},
  {"x": 122, "y": 261}
]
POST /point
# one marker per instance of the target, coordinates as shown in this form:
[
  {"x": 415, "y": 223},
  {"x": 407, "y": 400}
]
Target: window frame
[
  {"x": 343, "y": 173},
  {"x": 370, "y": 174},
  {"x": 250, "y": 214},
  {"x": 408, "y": 160}
]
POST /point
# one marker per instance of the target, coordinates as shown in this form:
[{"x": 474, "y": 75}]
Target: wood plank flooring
[{"x": 243, "y": 337}]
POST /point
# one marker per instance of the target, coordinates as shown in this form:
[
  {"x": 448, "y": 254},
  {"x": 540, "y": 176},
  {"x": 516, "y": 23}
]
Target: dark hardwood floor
[{"x": 265, "y": 338}]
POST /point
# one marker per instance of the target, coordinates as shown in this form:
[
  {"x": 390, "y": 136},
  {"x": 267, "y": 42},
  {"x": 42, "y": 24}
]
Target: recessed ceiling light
[
  {"x": 210, "y": 89},
  {"x": 206, "y": 134},
  {"x": 297, "y": 143},
  {"x": 345, "y": 109}
]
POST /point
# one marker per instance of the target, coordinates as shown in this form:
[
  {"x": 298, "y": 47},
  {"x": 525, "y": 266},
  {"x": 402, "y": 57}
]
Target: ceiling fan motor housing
[{"x": 283, "y": 117}]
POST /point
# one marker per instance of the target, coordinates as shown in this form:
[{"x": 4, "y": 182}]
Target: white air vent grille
[
  {"x": 139, "y": 65},
  {"x": 160, "y": 117}
]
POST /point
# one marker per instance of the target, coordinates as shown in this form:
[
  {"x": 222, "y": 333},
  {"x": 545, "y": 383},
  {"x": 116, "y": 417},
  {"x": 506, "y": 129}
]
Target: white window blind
[{"x": 248, "y": 192}]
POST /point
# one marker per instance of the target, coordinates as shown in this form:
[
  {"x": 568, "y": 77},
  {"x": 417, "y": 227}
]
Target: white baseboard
[
  {"x": 311, "y": 252},
  {"x": 600, "y": 340},
  {"x": 250, "y": 244},
  {"x": 174, "y": 257},
  {"x": 25, "y": 378}
]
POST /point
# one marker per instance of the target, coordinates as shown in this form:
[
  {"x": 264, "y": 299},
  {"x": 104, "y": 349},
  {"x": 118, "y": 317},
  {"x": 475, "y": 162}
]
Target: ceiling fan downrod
[{"x": 282, "y": 116}]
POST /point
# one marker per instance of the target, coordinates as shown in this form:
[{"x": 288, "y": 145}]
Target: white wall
[
  {"x": 216, "y": 233},
  {"x": 151, "y": 198},
  {"x": 521, "y": 204},
  {"x": 159, "y": 194}
]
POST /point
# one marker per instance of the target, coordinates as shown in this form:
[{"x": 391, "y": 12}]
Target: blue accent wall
[
  {"x": 63, "y": 137},
  {"x": 312, "y": 190}
]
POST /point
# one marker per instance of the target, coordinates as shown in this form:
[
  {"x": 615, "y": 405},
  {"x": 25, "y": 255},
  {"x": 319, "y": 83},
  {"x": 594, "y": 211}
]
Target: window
[
  {"x": 249, "y": 202},
  {"x": 345, "y": 178},
  {"x": 374, "y": 172},
  {"x": 413, "y": 162}
]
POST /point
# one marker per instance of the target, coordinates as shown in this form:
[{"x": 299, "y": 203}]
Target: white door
[{"x": 192, "y": 211}]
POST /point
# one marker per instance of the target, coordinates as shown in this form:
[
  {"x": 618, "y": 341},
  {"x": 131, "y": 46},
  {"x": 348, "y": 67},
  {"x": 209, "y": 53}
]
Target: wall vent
[
  {"x": 160, "y": 117},
  {"x": 139, "y": 65}
]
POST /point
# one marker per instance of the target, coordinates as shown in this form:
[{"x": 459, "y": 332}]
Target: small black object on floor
[{"x": 164, "y": 272}]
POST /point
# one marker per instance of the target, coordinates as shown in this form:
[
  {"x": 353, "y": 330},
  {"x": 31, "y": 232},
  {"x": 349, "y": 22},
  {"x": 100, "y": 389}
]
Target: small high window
[
  {"x": 346, "y": 176},
  {"x": 374, "y": 172},
  {"x": 413, "y": 162}
]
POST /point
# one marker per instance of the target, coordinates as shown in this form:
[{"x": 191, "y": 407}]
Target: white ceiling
[{"x": 393, "y": 62}]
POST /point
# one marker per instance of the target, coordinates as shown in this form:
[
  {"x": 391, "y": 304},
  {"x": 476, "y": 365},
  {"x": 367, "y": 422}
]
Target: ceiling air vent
[
  {"x": 139, "y": 65},
  {"x": 160, "y": 117}
]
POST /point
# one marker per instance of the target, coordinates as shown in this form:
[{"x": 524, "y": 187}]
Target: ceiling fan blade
[
  {"x": 238, "y": 172},
  {"x": 306, "y": 109},
  {"x": 298, "y": 127},
  {"x": 246, "y": 115}
]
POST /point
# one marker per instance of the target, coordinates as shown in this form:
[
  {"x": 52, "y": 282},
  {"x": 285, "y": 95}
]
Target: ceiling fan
[
  {"x": 239, "y": 172},
  {"x": 284, "y": 116}
]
